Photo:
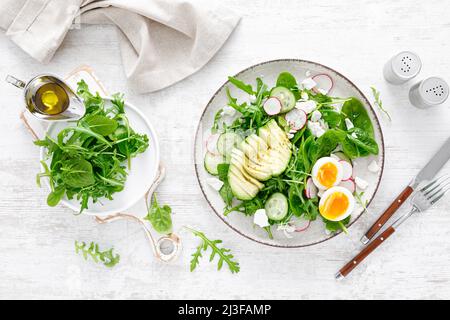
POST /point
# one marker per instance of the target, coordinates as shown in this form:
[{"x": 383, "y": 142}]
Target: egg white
[{"x": 319, "y": 163}]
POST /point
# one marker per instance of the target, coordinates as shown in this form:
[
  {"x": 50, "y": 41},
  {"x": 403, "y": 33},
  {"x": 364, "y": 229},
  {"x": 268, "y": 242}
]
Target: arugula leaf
[
  {"x": 241, "y": 85},
  {"x": 108, "y": 258},
  {"x": 378, "y": 102},
  {"x": 223, "y": 254},
  {"x": 160, "y": 217}
]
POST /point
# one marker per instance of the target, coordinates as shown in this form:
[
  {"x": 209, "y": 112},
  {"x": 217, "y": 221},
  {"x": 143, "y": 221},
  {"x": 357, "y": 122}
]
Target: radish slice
[
  {"x": 324, "y": 83},
  {"x": 347, "y": 170},
  {"x": 272, "y": 106},
  {"x": 349, "y": 185},
  {"x": 296, "y": 119},
  {"x": 303, "y": 228},
  {"x": 211, "y": 143},
  {"x": 311, "y": 189}
]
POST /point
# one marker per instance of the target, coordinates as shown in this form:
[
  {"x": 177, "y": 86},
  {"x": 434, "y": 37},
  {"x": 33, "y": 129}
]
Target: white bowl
[{"x": 140, "y": 177}]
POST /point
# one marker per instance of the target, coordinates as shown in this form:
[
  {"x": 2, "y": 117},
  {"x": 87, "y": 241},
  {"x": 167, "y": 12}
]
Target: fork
[{"x": 422, "y": 200}]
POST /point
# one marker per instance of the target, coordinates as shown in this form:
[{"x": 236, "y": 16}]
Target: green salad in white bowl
[{"x": 287, "y": 153}]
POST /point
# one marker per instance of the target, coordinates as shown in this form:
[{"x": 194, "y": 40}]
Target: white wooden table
[{"x": 37, "y": 258}]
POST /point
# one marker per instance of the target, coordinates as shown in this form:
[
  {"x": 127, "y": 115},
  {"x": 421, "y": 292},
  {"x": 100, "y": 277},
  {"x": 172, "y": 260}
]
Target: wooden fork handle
[
  {"x": 352, "y": 264},
  {"x": 387, "y": 214}
]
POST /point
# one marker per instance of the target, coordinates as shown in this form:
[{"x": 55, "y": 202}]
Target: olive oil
[{"x": 51, "y": 99}]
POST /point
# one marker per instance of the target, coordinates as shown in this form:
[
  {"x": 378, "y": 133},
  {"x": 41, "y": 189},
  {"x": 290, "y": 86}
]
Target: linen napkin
[{"x": 161, "y": 41}]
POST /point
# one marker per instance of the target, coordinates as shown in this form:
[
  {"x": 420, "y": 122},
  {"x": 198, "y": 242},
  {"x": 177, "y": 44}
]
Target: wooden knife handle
[
  {"x": 365, "y": 252},
  {"x": 387, "y": 214}
]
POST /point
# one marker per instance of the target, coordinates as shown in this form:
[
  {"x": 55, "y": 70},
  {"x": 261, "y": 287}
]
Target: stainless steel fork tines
[{"x": 436, "y": 189}]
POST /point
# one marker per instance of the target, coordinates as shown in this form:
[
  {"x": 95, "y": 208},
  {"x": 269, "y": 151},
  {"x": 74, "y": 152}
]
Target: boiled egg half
[
  {"x": 326, "y": 173},
  {"x": 336, "y": 204}
]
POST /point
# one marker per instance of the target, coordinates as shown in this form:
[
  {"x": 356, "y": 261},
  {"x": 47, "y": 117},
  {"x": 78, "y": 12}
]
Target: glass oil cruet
[{"x": 49, "y": 98}]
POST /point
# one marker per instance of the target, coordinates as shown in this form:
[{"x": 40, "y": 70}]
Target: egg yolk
[
  {"x": 327, "y": 174},
  {"x": 334, "y": 206}
]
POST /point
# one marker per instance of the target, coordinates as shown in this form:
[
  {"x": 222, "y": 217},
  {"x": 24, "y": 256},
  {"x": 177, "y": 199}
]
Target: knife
[{"x": 427, "y": 173}]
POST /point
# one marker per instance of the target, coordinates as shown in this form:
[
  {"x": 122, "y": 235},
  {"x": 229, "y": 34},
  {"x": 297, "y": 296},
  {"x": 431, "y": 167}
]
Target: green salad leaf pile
[
  {"x": 87, "y": 159},
  {"x": 358, "y": 141}
]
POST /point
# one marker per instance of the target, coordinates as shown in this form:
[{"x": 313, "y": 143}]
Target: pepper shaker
[{"x": 429, "y": 92}]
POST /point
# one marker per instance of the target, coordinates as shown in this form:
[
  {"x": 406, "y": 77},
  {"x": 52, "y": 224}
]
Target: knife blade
[{"x": 433, "y": 166}]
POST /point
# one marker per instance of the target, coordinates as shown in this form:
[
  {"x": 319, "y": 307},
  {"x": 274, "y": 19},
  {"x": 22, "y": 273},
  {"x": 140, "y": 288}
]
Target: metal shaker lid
[
  {"x": 406, "y": 65},
  {"x": 434, "y": 90}
]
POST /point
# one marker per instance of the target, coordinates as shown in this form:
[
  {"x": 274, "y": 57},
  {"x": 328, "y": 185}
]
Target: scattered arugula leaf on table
[
  {"x": 223, "y": 253},
  {"x": 378, "y": 102},
  {"x": 160, "y": 217},
  {"x": 107, "y": 257}
]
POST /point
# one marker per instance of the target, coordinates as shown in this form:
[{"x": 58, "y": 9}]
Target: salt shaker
[
  {"x": 429, "y": 92},
  {"x": 402, "y": 67}
]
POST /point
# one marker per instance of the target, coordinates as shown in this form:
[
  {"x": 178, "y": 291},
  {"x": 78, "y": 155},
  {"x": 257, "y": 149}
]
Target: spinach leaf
[
  {"x": 360, "y": 141},
  {"x": 351, "y": 150},
  {"x": 355, "y": 111},
  {"x": 77, "y": 173},
  {"x": 363, "y": 141},
  {"x": 335, "y": 226},
  {"x": 101, "y": 124},
  {"x": 160, "y": 217},
  {"x": 225, "y": 192},
  {"x": 332, "y": 117},
  {"x": 325, "y": 144},
  {"x": 55, "y": 196},
  {"x": 287, "y": 80}
]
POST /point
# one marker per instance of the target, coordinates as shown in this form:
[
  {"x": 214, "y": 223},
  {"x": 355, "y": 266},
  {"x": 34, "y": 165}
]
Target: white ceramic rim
[{"x": 140, "y": 195}]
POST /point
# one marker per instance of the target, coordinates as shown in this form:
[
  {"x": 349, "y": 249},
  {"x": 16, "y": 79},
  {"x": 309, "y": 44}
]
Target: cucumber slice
[
  {"x": 277, "y": 207},
  {"x": 286, "y": 97},
  {"x": 226, "y": 142},
  {"x": 212, "y": 161}
]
